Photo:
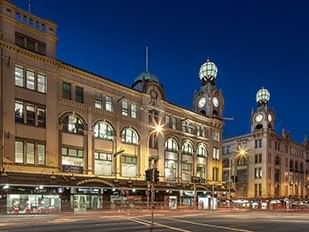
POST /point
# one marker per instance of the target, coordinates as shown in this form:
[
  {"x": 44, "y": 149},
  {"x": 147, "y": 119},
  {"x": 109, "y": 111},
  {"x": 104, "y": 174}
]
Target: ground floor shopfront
[{"x": 19, "y": 194}]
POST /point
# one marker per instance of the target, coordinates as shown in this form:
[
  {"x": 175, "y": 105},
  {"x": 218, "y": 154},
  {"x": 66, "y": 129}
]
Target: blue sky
[{"x": 254, "y": 43}]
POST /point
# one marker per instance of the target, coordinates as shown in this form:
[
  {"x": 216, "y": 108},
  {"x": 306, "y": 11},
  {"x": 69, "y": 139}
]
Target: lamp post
[
  {"x": 240, "y": 153},
  {"x": 158, "y": 130}
]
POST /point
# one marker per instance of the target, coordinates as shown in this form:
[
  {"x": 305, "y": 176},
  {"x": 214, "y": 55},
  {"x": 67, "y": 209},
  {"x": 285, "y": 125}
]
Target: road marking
[
  {"x": 139, "y": 220},
  {"x": 210, "y": 225}
]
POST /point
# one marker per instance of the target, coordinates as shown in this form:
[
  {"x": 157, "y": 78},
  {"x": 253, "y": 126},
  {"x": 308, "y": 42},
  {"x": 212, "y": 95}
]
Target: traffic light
[
  {"x": 149, "y": 175},
  {"x": 152, "y": 175},
  {"x": 155, "y": 175}
]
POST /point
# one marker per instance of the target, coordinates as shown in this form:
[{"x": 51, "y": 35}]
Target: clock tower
[
  {"x": 263, "y": 117},
  {"x": 208, "y": 101}
]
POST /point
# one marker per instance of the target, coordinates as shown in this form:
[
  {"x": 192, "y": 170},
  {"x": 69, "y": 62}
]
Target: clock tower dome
[
  {"x": 208, "y": 101},
  {"x": 263, "y": 117}
]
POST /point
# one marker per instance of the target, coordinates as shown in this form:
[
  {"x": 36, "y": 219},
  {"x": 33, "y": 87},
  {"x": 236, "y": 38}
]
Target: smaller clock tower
[
  {"x": 208, "y": 101},
  {"x": 263, "y": 117}
]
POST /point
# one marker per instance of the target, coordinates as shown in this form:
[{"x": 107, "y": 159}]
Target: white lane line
[
  {"x": 164, "y": 226},
  {"x": 140, "y": 222},
  {"x": 210, "y": 225}
]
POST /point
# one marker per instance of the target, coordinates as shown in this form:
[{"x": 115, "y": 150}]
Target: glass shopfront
[
  {"x": 33, "y": 204},
  {"x": 86, "y": 202}
]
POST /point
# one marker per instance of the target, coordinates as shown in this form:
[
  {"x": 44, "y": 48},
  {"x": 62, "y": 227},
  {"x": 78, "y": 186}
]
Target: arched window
[
  {"x": 201, "y": 150},
  {"x": 103, "y": 130},
  {"x": 72, "y": 123},
  {"x": 129, "y": 135},
  {"x": 187, "y": 148},
  {"x": 171, "y": 145}
]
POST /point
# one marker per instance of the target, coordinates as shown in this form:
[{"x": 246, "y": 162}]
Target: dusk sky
[{"x": 254, "y": 44}]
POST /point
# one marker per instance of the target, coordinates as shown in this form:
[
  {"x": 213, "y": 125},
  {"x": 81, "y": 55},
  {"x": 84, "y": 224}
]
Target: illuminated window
[
  {"x": 30, "y": 114},
  {"x": 19, "y": 76},
  {"x": 73, "y": 124},
  {"x": 201, "y": 150},
  {"x": 30, "y": 80},
  {"x": 30, "y": 153},
  {"x": 133, "y": 110},
  {"x": 41, "y": 82},
  {"x": 108, "y": 104},
  {"x": 124, "y": 110},
  {"x": 19, "y": 152},
  {"x": 129, "y": 135},
  {"x": 216, "y": 154},
  {"x": 19, "y": 111},
  {"x": 187, "y": 148},
  {"x": 171, "y": 145},
  {"x": 98, "y": 102},
  {"x": 128, "y": 166},
  {"x": 103, "y": 130},
  {"x": 41, "y": 154},
  {"x": 103, "y": 164}
]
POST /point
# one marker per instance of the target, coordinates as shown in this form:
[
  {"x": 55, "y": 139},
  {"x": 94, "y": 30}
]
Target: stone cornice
[{"x": 67, "y": 68}]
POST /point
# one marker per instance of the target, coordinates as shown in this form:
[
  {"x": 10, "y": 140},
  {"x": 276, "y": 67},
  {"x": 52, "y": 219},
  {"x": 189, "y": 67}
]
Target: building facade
[
  {"x": 264, "y": 164},
  {"x": 74, "y": 140}
]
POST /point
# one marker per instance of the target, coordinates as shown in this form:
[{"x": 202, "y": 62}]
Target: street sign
[{"x": 196, "y": 179}]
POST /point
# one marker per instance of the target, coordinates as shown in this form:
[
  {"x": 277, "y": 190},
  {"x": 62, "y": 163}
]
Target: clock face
[
  {"x": 202, "y": 102},
  {"x": 259, "y": 117},
  {"x": 270, "y": 118},
  {"x": 215, "y": 101}
]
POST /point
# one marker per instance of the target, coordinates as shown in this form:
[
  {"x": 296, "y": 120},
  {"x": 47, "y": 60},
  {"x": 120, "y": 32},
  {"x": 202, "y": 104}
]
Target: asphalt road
[{"x": 242, "y": 222}]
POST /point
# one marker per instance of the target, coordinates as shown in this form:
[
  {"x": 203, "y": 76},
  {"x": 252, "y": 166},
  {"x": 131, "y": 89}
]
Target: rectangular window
[
  {"x": 19, "y": 152},
  {"x": 66, "y": 90},
  {"x": 108, "y": 104},
  {"x": 41, "y": 82},
  {"x": 41, "y": 117},
  {"x": 79, "y": 94},
  {"x": 173, "y": 123},
  {"x": 124, "y": 110},
  {"x": 19, "y": 112},
  {"x": 103, "y": 164},
  {"x": 258, "y": 173},
  {"x": 30, "y": 153},
  {"x": 128, "y": 165},
  {"x": 19, "y": 76},
  {"x": 72, "y": 157},
  {"x": 258, "y": 143},
  {"x": 98, "y": 101},
  {"x": 215, "y": 136},
  {"x": 41, "y": 154},
  {"x": 133, "y": 111},
  {"x": 30, "y": 114},
  {"x": 167, "y": 121},
  {"x": 215, "y": 154},
  {"x": 30, "y": 80}
]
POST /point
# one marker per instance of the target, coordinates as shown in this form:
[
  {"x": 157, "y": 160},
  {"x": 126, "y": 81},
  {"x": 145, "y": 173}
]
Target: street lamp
[{"x": 241, "y": 152}]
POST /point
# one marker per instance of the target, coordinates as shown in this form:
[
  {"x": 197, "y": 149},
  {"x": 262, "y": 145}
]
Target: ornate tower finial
[
  {"x": 208, "y": 71},
  {"x": 262, "y": 96}
]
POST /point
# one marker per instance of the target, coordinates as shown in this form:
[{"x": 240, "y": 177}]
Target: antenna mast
[
  {"x": 29, "y": 5},
  {"x": 146, "y": 59}
]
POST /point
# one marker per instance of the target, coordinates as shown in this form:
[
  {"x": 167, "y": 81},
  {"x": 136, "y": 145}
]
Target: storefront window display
[
  {"x": 86, "y": 202},
  {"x": 33, "y": 204}
]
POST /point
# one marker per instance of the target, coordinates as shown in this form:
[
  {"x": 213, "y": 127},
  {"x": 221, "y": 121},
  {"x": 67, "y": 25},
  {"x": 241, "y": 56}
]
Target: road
[{"x": 239, "y": 221}]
